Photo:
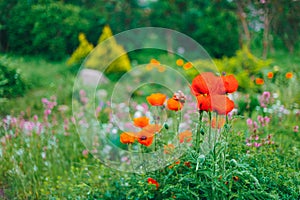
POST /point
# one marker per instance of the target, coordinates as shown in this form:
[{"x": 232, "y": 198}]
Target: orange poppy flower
[
  {"x": 230, "y": 83},
  {"x": 154, "y": 182},
  {"x": 127, "y": 138},
  {"x": 270, "y": 75},
  {"x": 221, "y": 123},
  {"x": 221, "y": 104},
  {"x": 146, "y": 135},
  {"x": 206, "y": 83},
  {"x": 259, "y": 81},
  {"x": 154, "y": 61},
  {"x": 156, "y": 99},
  {"x": 179, "y": 62},
  {"x": 174, "y": 105},
  {"x": 289, "y": 75},
  {"x": 161, "y": 68},
  {"x": 187, "y": 65},
  {"x": 185, "y": 136},
  {"x": 204, "y": 103},
  {"x": 141, "y": 122}
]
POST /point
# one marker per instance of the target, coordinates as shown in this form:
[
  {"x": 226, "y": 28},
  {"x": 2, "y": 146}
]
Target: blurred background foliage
[
  {"x": 51, "y": 27},
  {"x": 240, "y": 36}
]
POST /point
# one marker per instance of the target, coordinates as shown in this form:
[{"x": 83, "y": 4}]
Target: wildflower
[
  {"x": 177, "y": 162},
  {"x": 204, "y": 103},
  {"x": 264, "y": 99},
  {"x": 179, "y": 62},
  {"x": 146, "y": 135},
  {"x": 206, "y": 83},
  {"x": 161, "y": 68},
  {"x": 257, "y": 144},
  {"x": 289, "y": 75},
  {"x": 154, "y": 61},
  {"x": 85, "y": 153},
  {"x": 235, "y": 178},
  {"x": 270, "y": 75},
  {"x": 249, "y": 122},
  {"x": 185, "y": 136},
  {"x": 127, "y": 138},
  {"x": 259, "y": 81},
  {"x": 174, "y": 105},
  {"x": 187, "y": 65},
  {"x": 230, "y": 83},
  {"x": 35, "y": 118},
  {"x": 141, "y": 121},
  {"x": 154, "y": 182},
  {"x": 188, "y": 164},
  {"x": 156, "y": 99},
  {"x": 296, "y": 129},
  {"x": 222, "y": 104},
  {"x": 179, "y": 96}
]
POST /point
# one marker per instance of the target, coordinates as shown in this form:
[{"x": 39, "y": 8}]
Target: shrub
[
  {"x": 107, "y": 53},
  {"x": 11, "y": 83},
  {"x": 81, "y": 52}
]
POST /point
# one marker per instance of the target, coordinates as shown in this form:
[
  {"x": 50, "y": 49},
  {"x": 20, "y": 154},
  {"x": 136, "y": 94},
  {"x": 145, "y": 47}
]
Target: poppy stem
[
  {"x": 198, "y": 131},
  {"x": 131, "y": 158},
  {"x": 209, "y": 130}
]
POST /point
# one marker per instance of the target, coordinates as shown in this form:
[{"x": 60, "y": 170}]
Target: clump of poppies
[{"x": 211, "y": 92}]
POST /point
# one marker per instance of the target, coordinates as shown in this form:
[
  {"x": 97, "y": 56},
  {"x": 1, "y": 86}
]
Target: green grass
[
  {"x": 66, "y": 173},
  {"x": 43, "y": 79}
]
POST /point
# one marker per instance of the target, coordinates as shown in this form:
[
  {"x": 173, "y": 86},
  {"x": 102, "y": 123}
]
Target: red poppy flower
[
  {"x": 207, "y": 83},
  {"x": 174, "y": 105},
  {"x": 204, "y": 103},
  {"x": 185, "y": 136},
  {"x": 127, "y": 138},
  {"x": 230, "y": 83},
  {"x": 154, "y": 182},
  {"x": 188, "y": 164},
  {"x": 259, "y": 81},
  {"x": 141, "y": 122},
  {"x": 146, "y": 135},
  {"x": 221, "y": 104},
  {"x": 156, "y": 99}
]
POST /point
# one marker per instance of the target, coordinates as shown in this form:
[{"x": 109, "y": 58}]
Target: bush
[
  {"x": 50, "y": 29},
  {"x": 81, "y": 52},
  {"x": 109, "y": 52},
  {"x": 11, "y": 83}
]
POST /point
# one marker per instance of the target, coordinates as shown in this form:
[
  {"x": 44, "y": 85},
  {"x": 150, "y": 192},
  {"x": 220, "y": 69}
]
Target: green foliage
[
  {"x": 244, "y": 65},
  {"x": 11, "y": 83},
  {"x": 212, "y": 25},
  {"x": 109, "y": 51},
  {"x": 50, "y": 29}
]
